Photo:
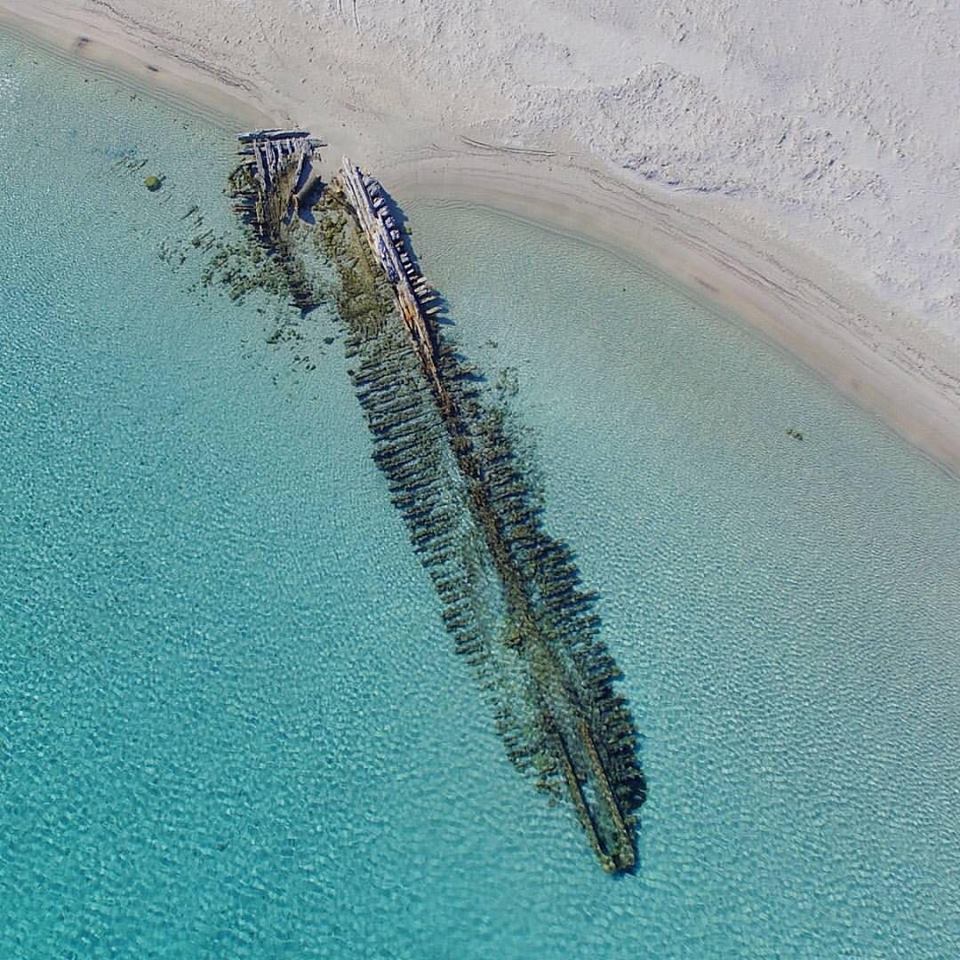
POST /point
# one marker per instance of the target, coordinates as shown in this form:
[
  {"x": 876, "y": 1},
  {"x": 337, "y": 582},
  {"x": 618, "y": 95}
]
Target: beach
[
  {"x": 241, "y": 719},
  {"x": 833, "y": 253}
]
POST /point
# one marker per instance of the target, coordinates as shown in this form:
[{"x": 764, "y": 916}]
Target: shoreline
[{"x": 881, "y": 358}]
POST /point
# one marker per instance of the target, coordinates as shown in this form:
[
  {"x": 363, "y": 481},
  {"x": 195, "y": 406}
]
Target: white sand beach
[{"x": 797, "y": 165}]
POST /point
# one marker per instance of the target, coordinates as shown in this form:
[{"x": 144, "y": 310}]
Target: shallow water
[{"x": 231, "y": 721}]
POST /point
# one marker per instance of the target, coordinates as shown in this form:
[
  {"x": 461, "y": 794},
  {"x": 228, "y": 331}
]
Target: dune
[{"x": 795, "y": 165}]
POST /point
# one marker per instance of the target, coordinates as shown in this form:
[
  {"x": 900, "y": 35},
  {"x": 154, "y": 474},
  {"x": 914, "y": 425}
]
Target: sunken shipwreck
[{"x": 514, "y": 603}]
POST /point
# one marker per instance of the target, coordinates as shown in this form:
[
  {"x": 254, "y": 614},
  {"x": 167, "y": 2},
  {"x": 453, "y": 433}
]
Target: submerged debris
[
  {"x": 513, "y": 599},
  {"x": 274, "y": 177}
]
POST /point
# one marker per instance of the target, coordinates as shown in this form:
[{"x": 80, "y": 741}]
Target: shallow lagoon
[{"x": 232, "y": 723}]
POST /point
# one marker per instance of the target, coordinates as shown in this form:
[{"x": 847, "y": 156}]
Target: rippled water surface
[{"x": 231, "y": 723}]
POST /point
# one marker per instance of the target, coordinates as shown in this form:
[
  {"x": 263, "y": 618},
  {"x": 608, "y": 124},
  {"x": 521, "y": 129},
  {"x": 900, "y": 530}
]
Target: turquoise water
[{"x": 231, "y": 724}]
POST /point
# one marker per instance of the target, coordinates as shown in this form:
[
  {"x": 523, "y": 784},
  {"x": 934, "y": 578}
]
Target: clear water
[{"x": 231, "y": 724}]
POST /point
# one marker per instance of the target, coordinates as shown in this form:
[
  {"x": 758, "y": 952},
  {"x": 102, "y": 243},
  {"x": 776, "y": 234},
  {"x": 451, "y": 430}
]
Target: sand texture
[{"x": 797, "y": 164}]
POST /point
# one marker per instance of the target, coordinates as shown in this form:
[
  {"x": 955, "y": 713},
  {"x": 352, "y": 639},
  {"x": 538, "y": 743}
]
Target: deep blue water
[{"x": 231, "y": 722}]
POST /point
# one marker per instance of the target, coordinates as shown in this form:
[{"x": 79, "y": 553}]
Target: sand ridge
[{"x": 793, "y": 165}]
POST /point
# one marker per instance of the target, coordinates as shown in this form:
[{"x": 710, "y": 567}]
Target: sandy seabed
[{"x": 435, "y": 103}]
